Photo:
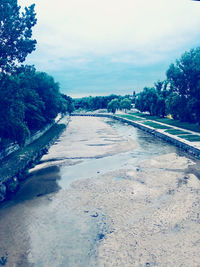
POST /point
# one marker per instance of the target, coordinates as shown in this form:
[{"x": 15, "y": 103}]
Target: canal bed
[{"x": 106, "y": 194}]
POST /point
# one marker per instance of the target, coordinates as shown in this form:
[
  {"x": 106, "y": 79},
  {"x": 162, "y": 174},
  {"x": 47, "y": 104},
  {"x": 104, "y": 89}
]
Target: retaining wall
[
  {"x": 10, "y": 180},
  {"x": 14, "y": 146}
]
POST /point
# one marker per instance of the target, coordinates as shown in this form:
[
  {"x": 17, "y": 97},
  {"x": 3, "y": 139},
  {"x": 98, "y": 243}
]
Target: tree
[
  {"x": 174, "y": 106},
  {"x": 184, "y": 80},
  {"x": 12, "y": 112},
  {"x": 48, "y": 91},
  {"x": 147, "y": 100},
  {"x": 15, "y": 34},
  {"x": 28, "y": 100},
  {"x": 113, "y": 105},
  {"x": 125, "y": 104},
  {"x": 70, "y": 104},
  {"x": 152, "y": 100}
]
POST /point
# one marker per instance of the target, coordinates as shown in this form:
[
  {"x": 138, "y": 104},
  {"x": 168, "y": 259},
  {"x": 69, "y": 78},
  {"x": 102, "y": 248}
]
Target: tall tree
[
  {"x": 15, "y": 34},
  {"x": 184, "y": 79},
  {"x": 113, "y": 105},
  {"x": 125, "y": 104}
]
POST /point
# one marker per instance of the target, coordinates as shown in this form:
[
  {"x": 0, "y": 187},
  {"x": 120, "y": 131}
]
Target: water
[{"x": 42, "y": 224}]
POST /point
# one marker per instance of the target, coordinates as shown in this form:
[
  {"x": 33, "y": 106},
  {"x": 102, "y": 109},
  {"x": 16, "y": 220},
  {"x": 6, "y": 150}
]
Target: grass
[
  {"x": 176, "y": 131},
  {"x": 156, "y": 125},
  {"x": 180, "y": 133},
  {"x": 145, "y": 116},
  {"x": 129, "y": 117},
  {"x": 191, "y": 137},
  {"x": 184, "y": 125}
]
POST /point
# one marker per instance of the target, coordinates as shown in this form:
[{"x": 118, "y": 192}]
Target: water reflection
[{"x": 39, "y": 183}]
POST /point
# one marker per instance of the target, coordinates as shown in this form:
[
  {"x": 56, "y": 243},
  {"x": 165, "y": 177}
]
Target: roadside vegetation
[
  {"x": 29, "y": 99},
  {"x": 178, "y": 95}
]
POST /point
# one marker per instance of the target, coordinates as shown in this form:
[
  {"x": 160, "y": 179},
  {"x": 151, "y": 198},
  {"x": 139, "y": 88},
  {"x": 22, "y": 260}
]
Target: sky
[{"x": 99, "y": 47}]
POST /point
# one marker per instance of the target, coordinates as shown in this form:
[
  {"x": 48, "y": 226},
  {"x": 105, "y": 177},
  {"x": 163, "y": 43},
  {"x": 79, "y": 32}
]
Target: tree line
[
  {"x": 29, "y": 99},
  {"x": 179, "y": 94},
  {"x": 111, "y": 103}
]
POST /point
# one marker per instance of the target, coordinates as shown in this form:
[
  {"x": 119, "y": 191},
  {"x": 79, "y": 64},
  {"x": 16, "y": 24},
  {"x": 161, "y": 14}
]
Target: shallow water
[{"x": 42, "y": 224}]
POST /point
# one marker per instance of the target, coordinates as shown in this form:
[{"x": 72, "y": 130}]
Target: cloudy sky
[{"x": 98, "y": 47}]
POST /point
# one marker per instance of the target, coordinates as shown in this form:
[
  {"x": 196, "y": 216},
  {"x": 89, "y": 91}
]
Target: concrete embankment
[
  {"x": 187, "y": 146},
  {"x": 14, "y": 167}
]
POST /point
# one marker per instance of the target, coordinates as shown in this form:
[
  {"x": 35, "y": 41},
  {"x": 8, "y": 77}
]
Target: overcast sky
[{"x": 98, "y": 47}]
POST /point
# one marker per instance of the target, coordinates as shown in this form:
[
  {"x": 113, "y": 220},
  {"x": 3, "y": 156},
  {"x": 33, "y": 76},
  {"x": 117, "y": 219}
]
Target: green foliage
[
  {"x": 93, "y": 103},
  {"x": 147, "y": 100},
  {"x": 179, "y": 95},
  {"x": 68, "y": 104},
  {"x": 48, "y": 91},
  {"x": 125, "y": 104},
  {"x": 15, "y": 34},
  {"x": 152, "y": 100},
  {"x": 184, "y": 80},
  {"x": 113, "y": 105},
  {"x": 12, "y": 112},
  {"x": 28, "y": 101}
]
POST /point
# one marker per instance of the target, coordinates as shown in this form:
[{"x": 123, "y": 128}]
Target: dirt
[{"x": 144, "y": 215}]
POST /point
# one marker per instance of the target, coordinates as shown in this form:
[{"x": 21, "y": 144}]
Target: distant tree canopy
[
  {"x": 179, "y": 94},
  {"x": 99, "y": 102},
  {"x": 93, "y": 103},
  {"x": 113, "y": 105},
  {"x": 15, "y": 34},
  {"x": 125, "y": 104}
]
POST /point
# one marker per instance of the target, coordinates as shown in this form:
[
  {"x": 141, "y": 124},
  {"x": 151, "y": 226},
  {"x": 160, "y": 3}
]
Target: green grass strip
[
  {"x": 184, "y": 125},
  {"x": 191, "y": 137},
  {"x": 176, "y": 132},
  {"x": 156, "y": 125},
  {"x": 129, "y": 117}
]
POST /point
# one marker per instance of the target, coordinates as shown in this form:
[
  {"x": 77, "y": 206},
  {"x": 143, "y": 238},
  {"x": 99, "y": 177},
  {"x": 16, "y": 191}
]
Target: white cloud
[
  {"x": 102, "y": 27},
  {"x": 140, "y": 32}
]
